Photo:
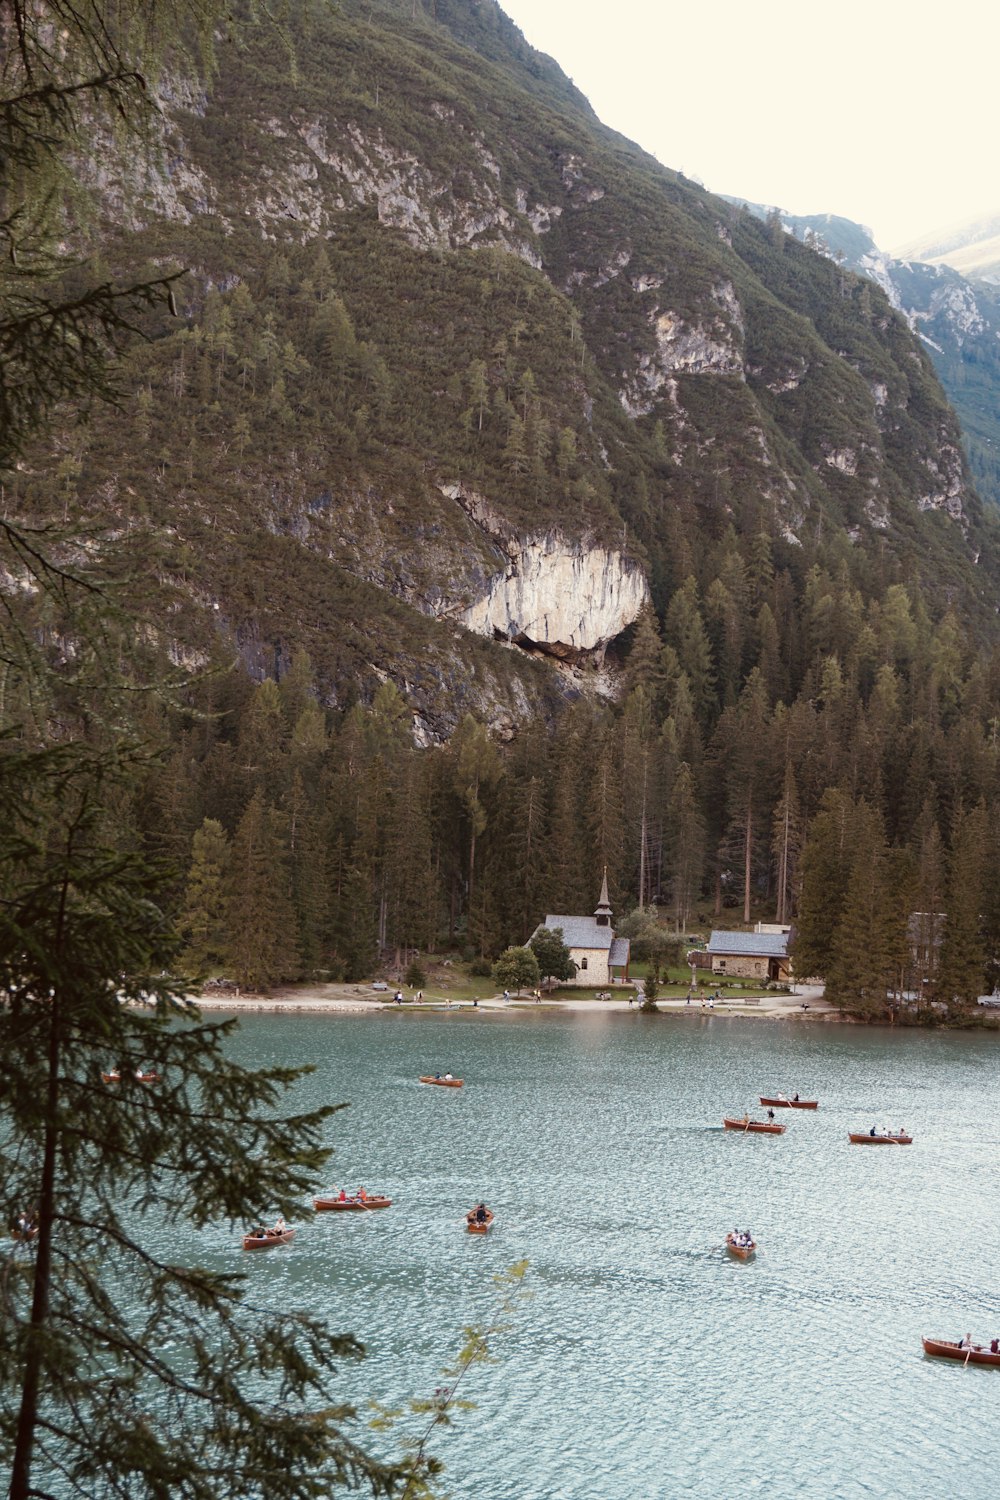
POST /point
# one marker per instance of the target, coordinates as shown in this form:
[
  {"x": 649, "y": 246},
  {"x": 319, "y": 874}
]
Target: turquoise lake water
[{"x": 646, "y": 1363}]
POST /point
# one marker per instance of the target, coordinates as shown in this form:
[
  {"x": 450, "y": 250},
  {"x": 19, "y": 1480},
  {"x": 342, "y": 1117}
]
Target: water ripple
[{"x": 648, "y": 1365}]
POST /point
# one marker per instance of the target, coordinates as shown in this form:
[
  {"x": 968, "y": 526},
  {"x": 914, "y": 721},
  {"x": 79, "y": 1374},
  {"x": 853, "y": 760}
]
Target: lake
[{"x": 646, "y": 1363}]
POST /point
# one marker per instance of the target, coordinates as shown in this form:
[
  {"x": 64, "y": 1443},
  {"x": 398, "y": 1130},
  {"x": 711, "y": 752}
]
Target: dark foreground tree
[{"x": 122, "y": 1373}]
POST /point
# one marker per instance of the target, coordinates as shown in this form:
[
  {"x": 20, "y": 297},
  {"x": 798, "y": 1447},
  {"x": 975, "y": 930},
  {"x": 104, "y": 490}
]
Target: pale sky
[{"x": 877, "y": 110}]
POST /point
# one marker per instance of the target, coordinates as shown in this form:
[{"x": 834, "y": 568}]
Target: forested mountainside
[
  {"x": 448, "y": 345},
  {"x": 472, "y": 413},
  {"x": 956, "y": 317}
]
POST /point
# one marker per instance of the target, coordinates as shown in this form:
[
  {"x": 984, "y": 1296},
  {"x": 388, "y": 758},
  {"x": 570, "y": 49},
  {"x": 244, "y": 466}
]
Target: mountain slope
[
  {"x": 956, "y": 319},
  {"x": 453, "y": 352}
]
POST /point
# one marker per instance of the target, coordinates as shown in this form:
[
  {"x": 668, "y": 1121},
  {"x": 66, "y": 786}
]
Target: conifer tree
[
  {"x": 785, "y": 843},
  {"x": 605, "y": 815},
  {"x": 309, "y": 888},
  {"x": 571, "y": 859},
  {"x": 639, "y": 789},
  {"x": 203, "y": 920},
  {"x": 524, "y": 812},
  {"x": 477, "y": 766},
  {"x": 929, "y": 901},
  {"x": 685, "y": 631},
  {"x": 826, "y": 864},
  {"x": 686, "y": 845},
  {"x": 157, "y": 1391},
  {"x": 645, "y": 666},
  {"x": 744, "y": 746},
  {"x": 263, "y": 738},
  {"x": 261, "y": 917},
  {"x": 857, "y": 973},
  {"x": 414, "y": 894},
  {"x": 962, "y": 967}
]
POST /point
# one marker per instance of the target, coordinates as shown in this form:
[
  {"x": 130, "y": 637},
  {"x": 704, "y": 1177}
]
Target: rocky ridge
[{"x": 514, "y": 295}]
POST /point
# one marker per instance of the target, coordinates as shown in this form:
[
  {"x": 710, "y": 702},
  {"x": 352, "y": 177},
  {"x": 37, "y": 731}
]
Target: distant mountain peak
[{"x": 971, "y": 247}]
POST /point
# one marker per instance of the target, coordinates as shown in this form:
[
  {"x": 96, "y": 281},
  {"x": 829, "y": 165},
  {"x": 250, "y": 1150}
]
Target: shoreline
[{"x": 348, "y": 999}]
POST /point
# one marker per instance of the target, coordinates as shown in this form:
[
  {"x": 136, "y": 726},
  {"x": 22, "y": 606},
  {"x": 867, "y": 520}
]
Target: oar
[{"x": 969, "y": 1355}]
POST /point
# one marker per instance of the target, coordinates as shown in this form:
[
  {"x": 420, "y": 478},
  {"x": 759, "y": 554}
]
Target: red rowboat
[
  {"x": 978, "y": 1354},
  {"x": 478, "y": 1226},
  {"x": 867, "y": 1139},
  {"x": 741, "y": 1252},
  {"x": 347, "y": 1205},
  {"x": 445, "y": 1083},
  {"x": 755, "y": 1127},
  {"x": 114, "y": 1077},
  {"x": 782, "y": 1103},
  {"x": 269, "y": 1238}
]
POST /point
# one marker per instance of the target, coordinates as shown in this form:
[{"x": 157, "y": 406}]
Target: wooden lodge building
[
  {"x": 600, "y": 957},
  {"x": 761, "y": 954}
]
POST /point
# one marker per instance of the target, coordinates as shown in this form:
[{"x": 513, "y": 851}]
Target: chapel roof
[{"x": 581, "y": 932}]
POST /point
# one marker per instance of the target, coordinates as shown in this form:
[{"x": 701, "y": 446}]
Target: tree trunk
[
  {"x": 747, "y": 860},
  {"x": 642, "y": 842},
  {"x": 783, "y": 865},
  {"x": 20, "y": 1480}
]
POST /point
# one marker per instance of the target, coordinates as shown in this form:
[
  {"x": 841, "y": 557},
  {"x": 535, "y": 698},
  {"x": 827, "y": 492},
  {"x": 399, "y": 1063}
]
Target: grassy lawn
[{"x": 450, "y": 979}]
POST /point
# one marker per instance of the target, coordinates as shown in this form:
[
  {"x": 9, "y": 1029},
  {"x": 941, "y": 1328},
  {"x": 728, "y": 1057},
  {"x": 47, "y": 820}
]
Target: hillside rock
[{"x": 562, "y": 597}]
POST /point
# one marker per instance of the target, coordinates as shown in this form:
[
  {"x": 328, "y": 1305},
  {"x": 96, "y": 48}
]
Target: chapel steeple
[{"x": 602, "y": 915}]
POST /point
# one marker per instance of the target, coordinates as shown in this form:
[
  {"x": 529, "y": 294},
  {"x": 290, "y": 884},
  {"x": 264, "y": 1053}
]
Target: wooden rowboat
[
  {"x": 478, "y": 1226},
  {"x": 445, "y": 1083},
  {"x": 151, "y": 1076},
  {"x": 754, "y": 1127},
  {"x": 348, "y": 1205},
  {"x": 741, "y": 1252},
  {"x": 113, "y": 1077},
  {"x": 24, "y": 1235},
  {"x": 978, "y": 1354},
  {"x": 866, "y": 1139},
  {"x": 269, "y": 1238},
  {"x": 781, "y": 1103}
]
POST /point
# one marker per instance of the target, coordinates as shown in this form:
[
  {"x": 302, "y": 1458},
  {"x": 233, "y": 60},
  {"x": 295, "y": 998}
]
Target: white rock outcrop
[
  {"x": 711, "y": 345},
  {"x": 562, "y": 596},
  {"x": 947, "y": 487}
]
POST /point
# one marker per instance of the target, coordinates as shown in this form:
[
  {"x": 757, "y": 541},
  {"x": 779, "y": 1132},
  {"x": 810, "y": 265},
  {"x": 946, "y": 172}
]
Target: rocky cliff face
[
  {"x": 562, "y": 597},
  {"x": 424, "y": 258}
]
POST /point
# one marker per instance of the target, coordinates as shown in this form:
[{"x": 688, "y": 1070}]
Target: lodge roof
[
  {"x": 618, "y": 957},
  {"x": 749, "y": 944}
]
